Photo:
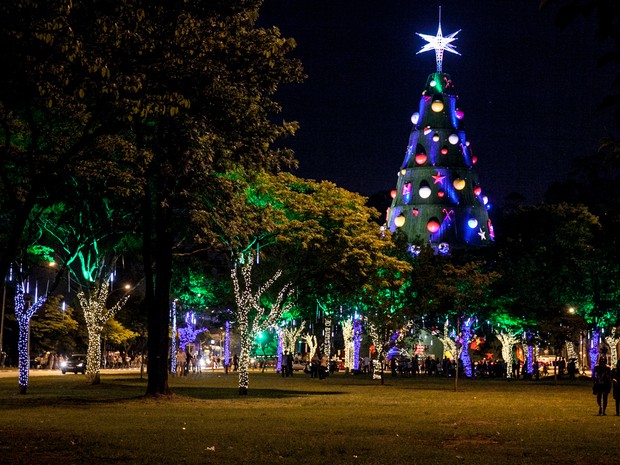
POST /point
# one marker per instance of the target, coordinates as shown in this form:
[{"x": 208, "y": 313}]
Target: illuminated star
[
  {"x": 438, "y": 178},
  {"x": 439, "y": 43},
  {"x": 482, "y": 234}
]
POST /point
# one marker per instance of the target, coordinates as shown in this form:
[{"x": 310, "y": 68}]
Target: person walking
[
  {"x": 314, "y": 365},
  {"x": 615, "y": 384},
  {"x": 602, "y": 384}
]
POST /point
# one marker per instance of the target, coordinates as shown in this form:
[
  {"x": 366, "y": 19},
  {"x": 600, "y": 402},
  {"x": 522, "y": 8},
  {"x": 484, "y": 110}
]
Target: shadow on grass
[{"x": 207, "y": 393}]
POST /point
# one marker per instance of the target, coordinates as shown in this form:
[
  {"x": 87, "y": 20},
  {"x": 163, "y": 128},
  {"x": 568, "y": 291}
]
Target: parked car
[{"x": 75, "y": 363}]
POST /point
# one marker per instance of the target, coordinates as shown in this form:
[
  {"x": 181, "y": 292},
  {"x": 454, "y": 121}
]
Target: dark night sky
[{"x": 530, "y": 91}]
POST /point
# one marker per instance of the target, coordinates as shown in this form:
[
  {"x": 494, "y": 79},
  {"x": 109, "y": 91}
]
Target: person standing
[
  {"x": 602, "y": 384},
  {"x": 323, "y": 367},
  {"x": 615, "y": 383}
]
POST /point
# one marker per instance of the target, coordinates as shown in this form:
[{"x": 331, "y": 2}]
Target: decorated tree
[
  {"x": 189, "y": 332},
  {"x": 23, "y": 313},
  {"x": 94, "y": 303},
  {"x": 291, "y": 335},
  {"x": 311, "y": 342},
  {"x": 438, "y": 199},
  {"x": 254, "y": 312}
]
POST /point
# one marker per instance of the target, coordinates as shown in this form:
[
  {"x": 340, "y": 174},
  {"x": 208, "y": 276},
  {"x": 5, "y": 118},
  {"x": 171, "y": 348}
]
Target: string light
[
  {"x": 347, "y": 335},
  {"x": 465, "y": 340},
  {"x": 173, "y": 340},
  {"x": 24, "y": 315},
  {"x": 97, "y": 315},
  {"x": 253, "y": 317},
  {"x": 227, "y": 344},
  {"x": 188, "y": 334},
  {"x": 357, "y": 342}
]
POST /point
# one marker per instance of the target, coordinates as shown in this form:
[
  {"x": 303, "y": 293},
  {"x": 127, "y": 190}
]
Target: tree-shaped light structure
[
  {"x": 24, "y": 314},
  {"x": 96, "y": 314},
  {"x": 438, "y": 199},
  {"x": 252, "y": 315},
  {"x": 188, "y": 334}
]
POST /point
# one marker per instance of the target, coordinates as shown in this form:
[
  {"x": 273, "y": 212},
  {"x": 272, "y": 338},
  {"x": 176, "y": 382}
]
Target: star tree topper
[{"x": 439, "y": 43}]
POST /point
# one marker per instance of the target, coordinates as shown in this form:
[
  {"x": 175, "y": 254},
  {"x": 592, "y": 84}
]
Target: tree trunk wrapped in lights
[
  {"x": 327, "y": 340},
  {"x": 380, "y": 351},
  {"x": 252, "y": 317},
  {"x": 24, "y": 315},
  {"x": 310, "y": 340},
  {"x": 594, "y": 349},
  {"x": 465, "y": 339},
  {"x": 291, "y": 336},
  {"x": 449, "y": 344},
  {"x": 96, "y": 315},
  {"x": 572, "y": 354},
  {"x": 173, "y": 339},
  {"x": 508, "y": 339},
  {"x": 613, "y": 340},
  {"x": 347, "y": 335},
  {"x": 357, "y": 342}
]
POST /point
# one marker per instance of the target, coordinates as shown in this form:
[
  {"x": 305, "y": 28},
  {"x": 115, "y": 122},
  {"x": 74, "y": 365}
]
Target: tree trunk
[
  {"x": 93, "y": 357},
  {"x": 157, "y": 294},
  {"x": 244, "y": 360},
  {"x": 23, "y": 351}
]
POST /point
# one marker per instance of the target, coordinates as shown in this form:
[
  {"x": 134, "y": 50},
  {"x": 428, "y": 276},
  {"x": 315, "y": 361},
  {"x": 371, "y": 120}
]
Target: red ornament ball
[
  {"x": 433, "y": 225},
  {"x": 421, "y": 158}
]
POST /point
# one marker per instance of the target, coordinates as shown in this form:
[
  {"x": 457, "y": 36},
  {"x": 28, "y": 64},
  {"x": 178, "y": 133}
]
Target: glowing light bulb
[
  {"x": 472, "y": 223},
  {"x": 459, "y": 184},
  {"x": 399, "y": 221},
  {"x": 415, "y": 118},
  {"x": 435, "y": 137},
  {"x": 437, "y": 106},
  {"x": 453, "y": 139},
  {"x": 421, "y": 158}
]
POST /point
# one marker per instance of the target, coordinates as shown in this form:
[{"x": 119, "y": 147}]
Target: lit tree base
[{"x": 243, "y": 391}]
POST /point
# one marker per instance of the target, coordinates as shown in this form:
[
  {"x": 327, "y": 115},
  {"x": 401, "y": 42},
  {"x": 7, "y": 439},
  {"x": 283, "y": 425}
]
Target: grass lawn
[{"x": 344, "y": 419}]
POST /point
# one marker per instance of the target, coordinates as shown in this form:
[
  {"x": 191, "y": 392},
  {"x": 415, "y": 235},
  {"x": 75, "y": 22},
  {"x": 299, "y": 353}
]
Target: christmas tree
[{"x": 438, "y": 199}]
